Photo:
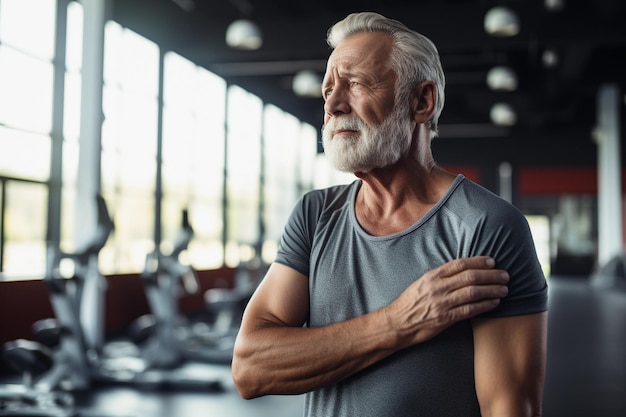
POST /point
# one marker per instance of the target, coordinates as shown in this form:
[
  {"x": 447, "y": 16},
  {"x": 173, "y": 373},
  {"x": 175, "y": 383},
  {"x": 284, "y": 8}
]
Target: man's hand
[{"x": 458, "y": 290}]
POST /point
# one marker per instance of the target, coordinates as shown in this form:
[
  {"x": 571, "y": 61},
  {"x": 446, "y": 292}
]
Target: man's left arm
[{"x": 509, "y": 363}]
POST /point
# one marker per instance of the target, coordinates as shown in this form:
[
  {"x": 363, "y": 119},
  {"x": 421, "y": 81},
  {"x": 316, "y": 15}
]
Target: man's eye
[{"x": 328, "y": 92}]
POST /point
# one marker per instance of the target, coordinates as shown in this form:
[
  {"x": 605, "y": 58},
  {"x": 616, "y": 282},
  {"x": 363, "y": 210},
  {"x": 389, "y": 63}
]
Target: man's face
[
  {"x": 362, "y": 127},
  {"x": 368, "y": 147}
]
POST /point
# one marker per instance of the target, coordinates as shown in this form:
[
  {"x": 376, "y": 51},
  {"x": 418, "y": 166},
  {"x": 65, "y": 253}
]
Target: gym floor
[{"x": 586, "y": 372}]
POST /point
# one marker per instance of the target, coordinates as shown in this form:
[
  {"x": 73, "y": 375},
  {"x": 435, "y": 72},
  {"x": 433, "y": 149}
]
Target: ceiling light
[
  {"x": 502, "y": 114},
  {"x": 502, "y": 78},
  {"x": 502, "y": 22},
  {"x": 550, "y": 58},
  {"x": 554, "y": 5},
  {"x": 307, "y": 84},
  {"x": 244, "y": 34}
]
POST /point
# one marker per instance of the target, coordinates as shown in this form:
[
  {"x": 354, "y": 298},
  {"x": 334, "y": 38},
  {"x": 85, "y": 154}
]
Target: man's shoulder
[
  {"x": 329, "y": 196},
  {"x": 473, "y": 201},
  {"x": 479, "y": 195}
]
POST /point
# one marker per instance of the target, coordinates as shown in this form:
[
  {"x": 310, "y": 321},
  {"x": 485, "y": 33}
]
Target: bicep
[
  {"x": 281, "y": 299},
  {"x": 509, "y": 362}
]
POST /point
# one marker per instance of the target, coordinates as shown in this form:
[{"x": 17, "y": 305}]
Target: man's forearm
[{"x": 273, "y": 359}]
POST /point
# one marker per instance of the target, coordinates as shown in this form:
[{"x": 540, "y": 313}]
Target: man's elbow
[
  {"x": 245, "y": 390},
  {"x": 244, "y": 378}
]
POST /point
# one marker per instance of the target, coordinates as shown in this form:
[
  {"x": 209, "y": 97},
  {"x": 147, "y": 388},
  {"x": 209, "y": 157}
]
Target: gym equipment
[
  {"x": 32, "y": 359},
  {"x": 32, "y": 398},
  {"x": 78, "y": 304},
  {"x": 169, "y": 337},
  {"x": 164, "y": 278},
  {"x": 83, "y": 358},
  {"x": 65, "y": 364},
  {"x": 166, "y": 336},
  {"x": 60, "y": 361},
  {"x": 153, "y": 358},
  {"x": 215, "y": 341}
]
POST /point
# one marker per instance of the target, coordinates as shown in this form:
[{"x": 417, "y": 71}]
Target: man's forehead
[{"x": 364, "y": 48}]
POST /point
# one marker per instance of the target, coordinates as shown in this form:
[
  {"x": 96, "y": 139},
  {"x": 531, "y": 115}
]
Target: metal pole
[
  {"x": 88, "y": 178},
  {"x": 610, "y": 240}
]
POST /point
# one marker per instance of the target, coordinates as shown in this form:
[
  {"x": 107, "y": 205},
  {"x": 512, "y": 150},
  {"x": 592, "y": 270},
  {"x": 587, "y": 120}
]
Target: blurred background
[{"x": 204, "y": 116}]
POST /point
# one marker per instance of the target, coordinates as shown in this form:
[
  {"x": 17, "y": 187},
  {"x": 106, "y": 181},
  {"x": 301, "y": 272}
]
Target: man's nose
[{"x": 337, "y": 102}]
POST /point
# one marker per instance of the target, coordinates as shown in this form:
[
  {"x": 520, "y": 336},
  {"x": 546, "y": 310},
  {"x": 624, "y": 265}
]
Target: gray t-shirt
[{"x": 352, "y": 273}]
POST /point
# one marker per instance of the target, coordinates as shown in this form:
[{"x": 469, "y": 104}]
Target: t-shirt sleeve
[
  {"x": 505, "y": 235},
  {"x": 295, "y": 243}
]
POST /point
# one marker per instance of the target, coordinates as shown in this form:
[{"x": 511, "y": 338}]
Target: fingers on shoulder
[{"x": 460, "y": 265}]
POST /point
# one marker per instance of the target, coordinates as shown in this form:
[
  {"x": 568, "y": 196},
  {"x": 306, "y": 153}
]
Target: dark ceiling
[{"x": 556, "y": 106}]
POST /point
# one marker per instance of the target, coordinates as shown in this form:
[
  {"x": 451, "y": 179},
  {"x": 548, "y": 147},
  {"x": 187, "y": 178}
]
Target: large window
[
  {"x": 25, "y": 229},
  {"x": 193, "y": 157},
  {"x": 175, "y": 137},
  {"x": 27, "y": 33},
  {"x": 244, "y": 119},
  {"x": 129, "y": 144},
  {"x": 280, "y": 149}
]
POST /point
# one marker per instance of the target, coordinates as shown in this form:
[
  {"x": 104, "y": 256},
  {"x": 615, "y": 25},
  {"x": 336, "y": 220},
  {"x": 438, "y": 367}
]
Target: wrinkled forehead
[{"x": 363, "y": 51}]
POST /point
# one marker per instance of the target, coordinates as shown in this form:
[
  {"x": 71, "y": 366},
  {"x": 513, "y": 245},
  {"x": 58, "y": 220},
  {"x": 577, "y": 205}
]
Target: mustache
[{"x": 349, "y": 123}]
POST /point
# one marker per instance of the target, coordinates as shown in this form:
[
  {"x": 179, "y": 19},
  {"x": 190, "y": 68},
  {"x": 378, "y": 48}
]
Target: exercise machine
[
  {"x": 32, "y": 359},
  {"x": 82, "y": 357},
  {"x": 77, "y": 298},
  {"x": 60, "y": 360},
  {"x": 168, "y": 336},
  {"x": 214, "y": 341},
  {"x": 152, "y": 360},
  {"x": 165, "y": 278}
]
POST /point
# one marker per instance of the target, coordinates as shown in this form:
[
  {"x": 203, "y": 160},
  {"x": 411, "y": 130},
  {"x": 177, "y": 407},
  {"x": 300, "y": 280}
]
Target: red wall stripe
[
  {"x": 562, "y": 180},
  {"x": 470, "y": 172},
  {"x": 551, "y": 181}
]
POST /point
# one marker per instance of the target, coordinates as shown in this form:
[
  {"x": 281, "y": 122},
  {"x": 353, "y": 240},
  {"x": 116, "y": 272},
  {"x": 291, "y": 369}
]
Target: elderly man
[{"x": 411, "y": 291}]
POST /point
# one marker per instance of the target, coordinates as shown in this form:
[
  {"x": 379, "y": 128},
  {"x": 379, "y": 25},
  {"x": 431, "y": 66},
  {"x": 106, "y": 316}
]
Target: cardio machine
[
  {"x": 169, "y": 337},
  {"x": 27, "y": 398},
  {"x": 165, "y": 277},
  {"x": 58, "y": 362},
  {"x": 214, "y": 341},
  {"x": 152, "y": 358},
  {"x": 82, "y": 358}
]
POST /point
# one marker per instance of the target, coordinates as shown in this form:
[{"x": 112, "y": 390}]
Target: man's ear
[{"x": 424, "y": 101}]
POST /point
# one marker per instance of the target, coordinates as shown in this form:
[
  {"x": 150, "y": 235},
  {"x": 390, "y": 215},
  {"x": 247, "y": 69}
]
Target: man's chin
[{"x": 350, "y": 168}]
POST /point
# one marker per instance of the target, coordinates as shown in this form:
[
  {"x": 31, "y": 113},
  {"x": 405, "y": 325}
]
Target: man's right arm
[{"x": 275, "y": 354}]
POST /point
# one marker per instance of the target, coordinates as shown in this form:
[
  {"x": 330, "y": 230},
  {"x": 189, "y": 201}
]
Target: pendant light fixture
[
  {"x": 243, "y": 33},
  {"x": 501, "y": 21}
]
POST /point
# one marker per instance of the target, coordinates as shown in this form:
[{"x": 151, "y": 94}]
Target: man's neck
[{"x": 394, "y": 198}]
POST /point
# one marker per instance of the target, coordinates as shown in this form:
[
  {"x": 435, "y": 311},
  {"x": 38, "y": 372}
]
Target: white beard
[{"x": 370, "y": 147}]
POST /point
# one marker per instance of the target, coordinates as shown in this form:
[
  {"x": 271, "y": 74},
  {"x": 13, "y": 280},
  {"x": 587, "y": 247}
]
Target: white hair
[{"x": 414, "y": 57}]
